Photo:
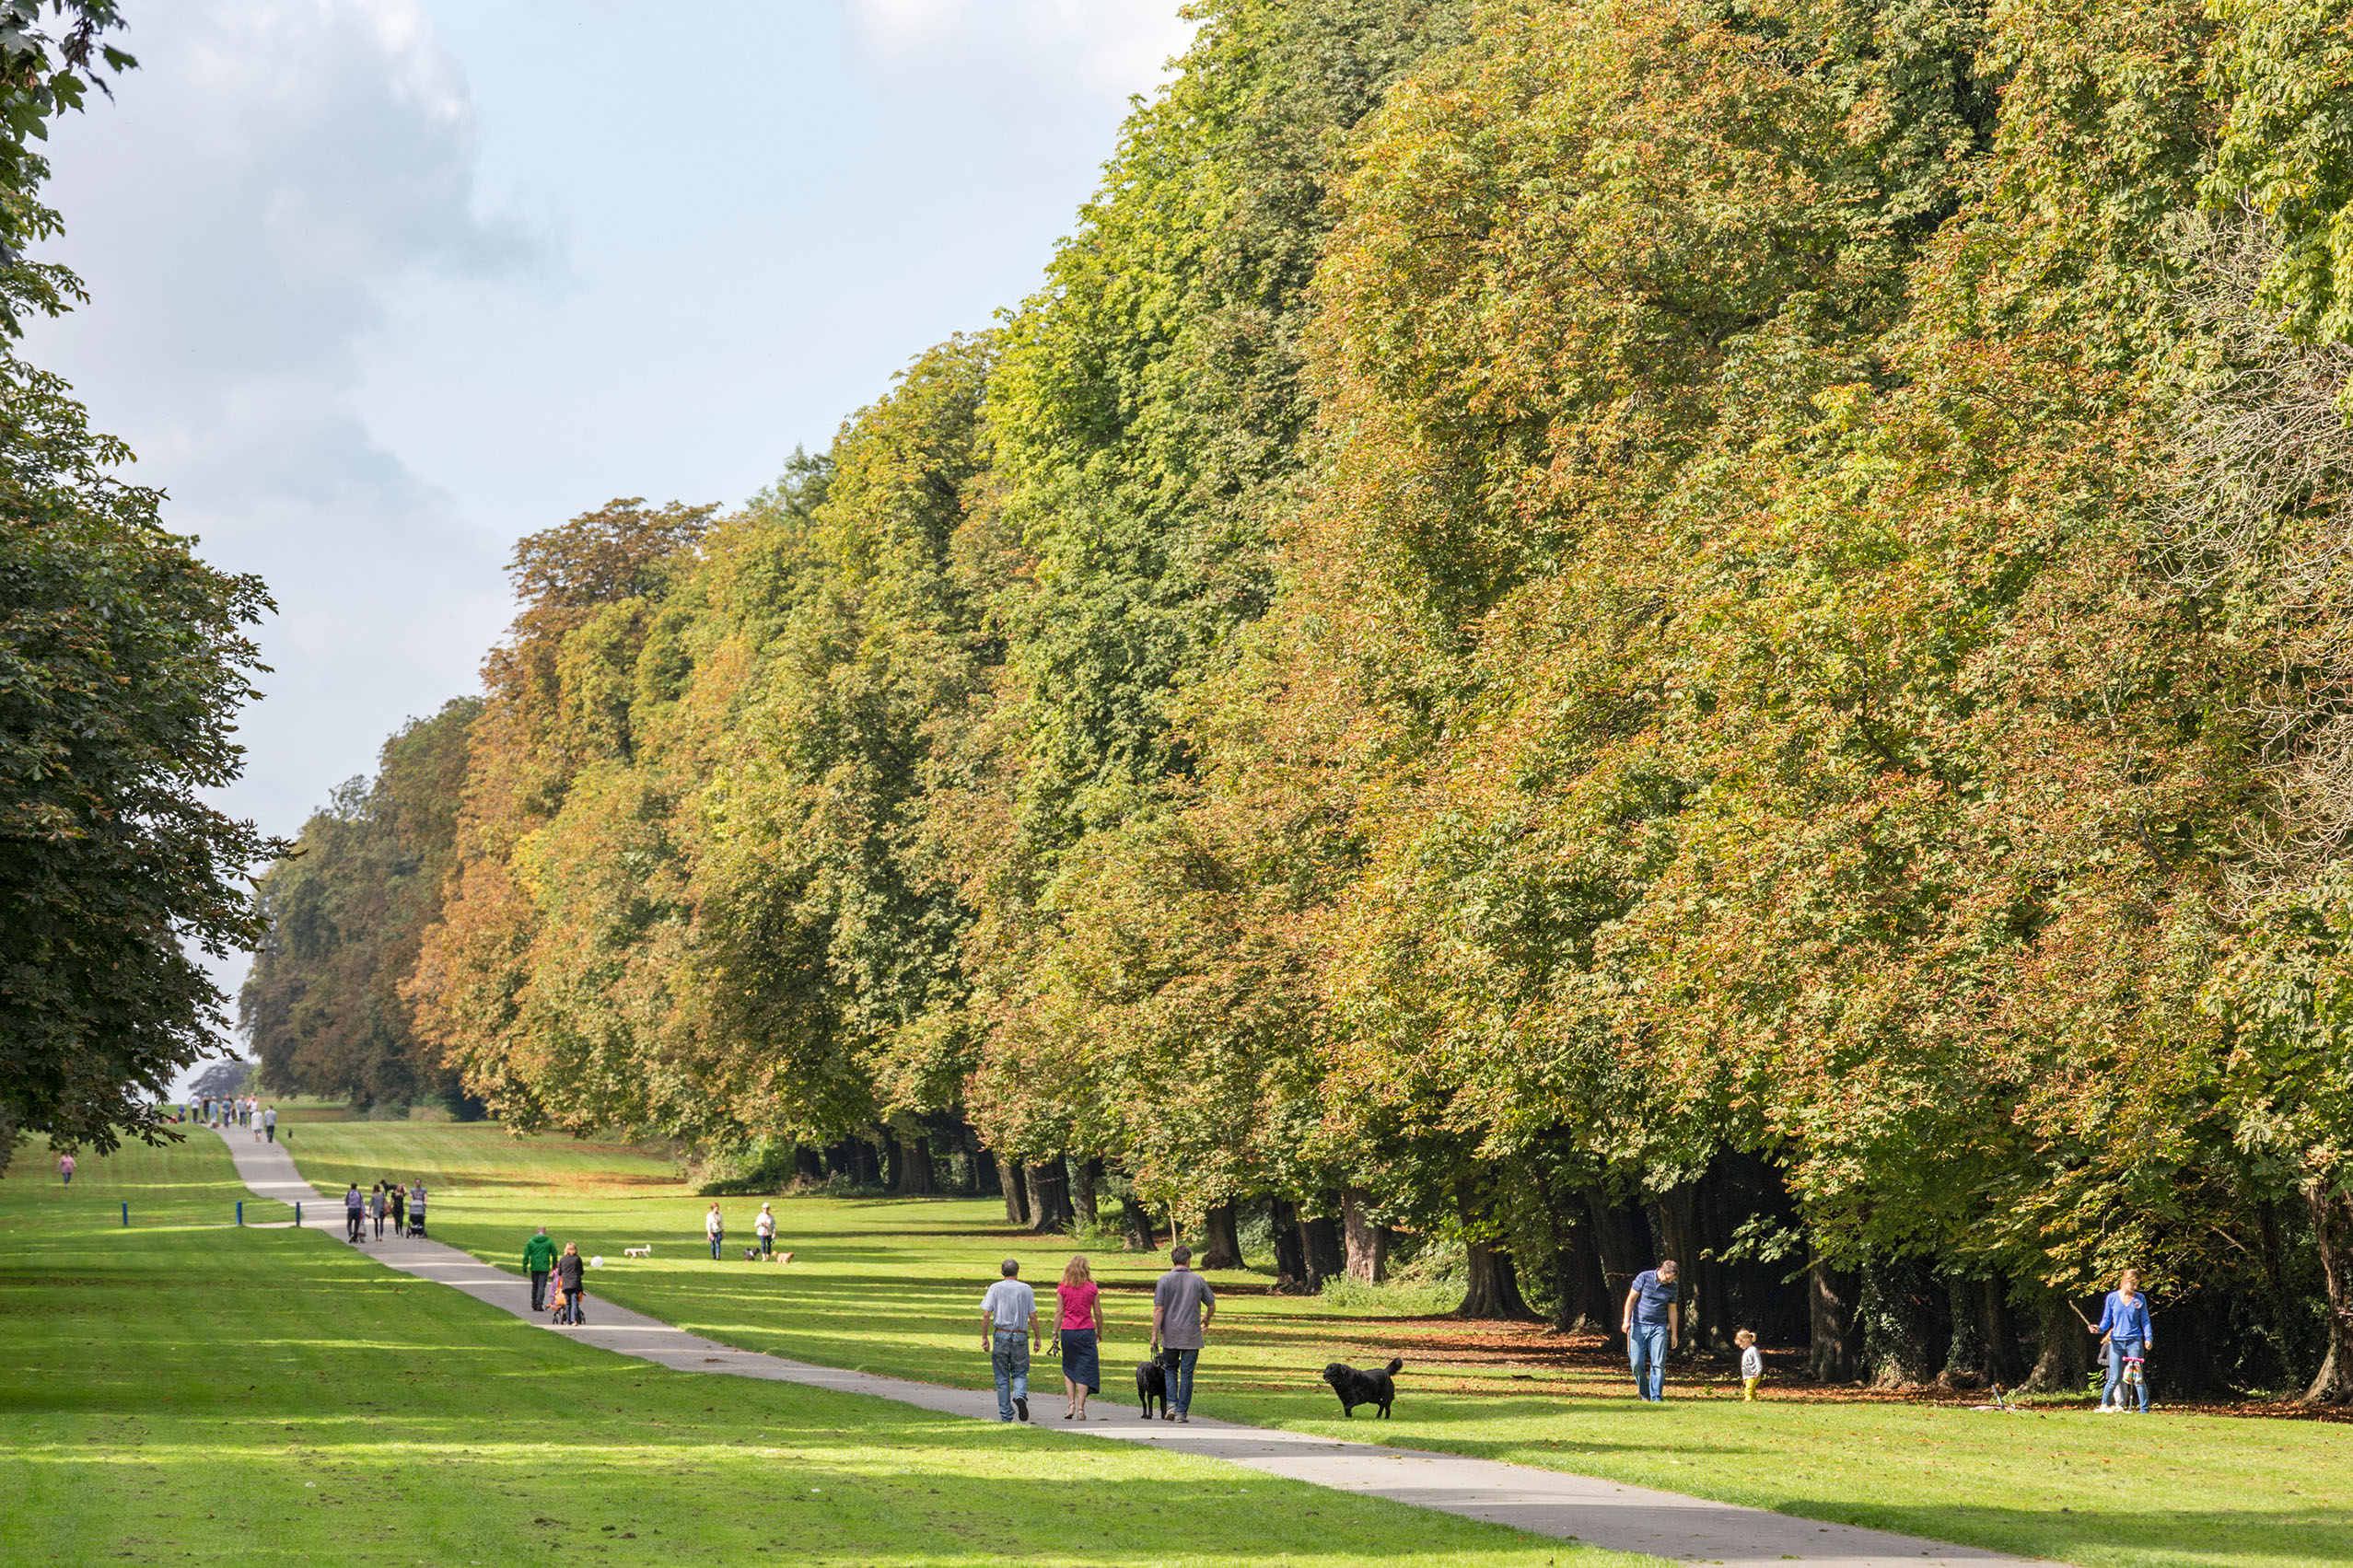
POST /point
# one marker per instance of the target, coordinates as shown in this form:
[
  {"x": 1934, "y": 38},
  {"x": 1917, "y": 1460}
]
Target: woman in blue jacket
[{"x": 2124, "y": 1323}]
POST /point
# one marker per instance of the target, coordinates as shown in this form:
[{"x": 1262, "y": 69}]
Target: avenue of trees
[{"x": 1573, "y": 631}]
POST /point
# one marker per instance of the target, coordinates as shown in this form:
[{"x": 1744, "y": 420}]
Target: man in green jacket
[{"x": 538, "y": 1257}]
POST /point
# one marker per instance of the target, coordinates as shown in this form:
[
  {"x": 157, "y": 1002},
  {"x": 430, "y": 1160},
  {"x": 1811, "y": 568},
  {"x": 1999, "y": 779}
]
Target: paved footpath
[{"x": 1546, "y": 1502}]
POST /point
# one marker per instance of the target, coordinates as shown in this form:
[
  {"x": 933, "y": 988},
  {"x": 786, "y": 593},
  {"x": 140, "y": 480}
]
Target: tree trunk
[
  {"x": 1832, "y": 1297},
  {"x": 1681, "y": 1237},
  {"x": 1017, "y": 1192},
  {"x": 1367, "y": 1240},
  {"x": 1999, "y": 1330},
  {"x": 2333, "y": 1234},
  {"x": 870, "y": 1163},
  {"x": 1090, "y": 1176},
  {"x": 894, "y": 1162},
  {"x": 808, "y": 1164},
  {"x": 2280, "y": 1297},
  {"x": 1049, "y": 1196},
  {"x": 1898, "y": 1323},
  {"x": 985, "y": 1183},
  {"x": 1619, "y": 1243},
  {"x": 1320, "y": 1239},
  {"x": 1290, "y": 1251},
  {"x": 2064, "y": 1361},
  {"x": 1136, "y": 1220},
  {"x": 1220, "y": 1238},
  {"x": 1965, "y": 1351},
  {"x": 1491, "y": 1289},
  {"x": 914, "y": 1178},
  {"x": 1581, "y": 1295}
]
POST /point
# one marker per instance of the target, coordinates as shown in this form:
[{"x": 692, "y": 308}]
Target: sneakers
[
  {"x": 1023, "y": 1406},
  {"x": 1185, "y": 1419}
]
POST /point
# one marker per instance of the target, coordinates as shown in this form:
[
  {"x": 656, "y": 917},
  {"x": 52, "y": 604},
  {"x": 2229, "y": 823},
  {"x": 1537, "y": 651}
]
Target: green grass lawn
[
  {"x": 188, "y": 1391},
  {"x": 894, "y": 1286}
]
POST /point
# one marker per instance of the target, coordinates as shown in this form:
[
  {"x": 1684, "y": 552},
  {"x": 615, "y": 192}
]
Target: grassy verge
[
  {"x": 194, "y": 1391},
  {"x": 894, "y": 1286}
]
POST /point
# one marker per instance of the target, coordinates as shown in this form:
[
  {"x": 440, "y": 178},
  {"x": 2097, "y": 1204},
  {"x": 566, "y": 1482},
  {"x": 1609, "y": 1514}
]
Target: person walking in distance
[
  {"x": 569, "y": 1271},
  {"x": 416, "y": 1208},
  {"x": 355, "y": 1213},
  {"x": 1182, "y": 1307},
  {"x": 1077, "y": 1336},
  {"x": 764, "y": 1227},
  {"x": 65, "y": 1169},
  {"x": 1651, "y": 1331},
  {"x": 400, "y": 1196},
  {"x": 270, "y": 1125},
  {"x": 539, "y": 1261},
  {"x": 717, "y": 1229},
  {"x": 2124, "y": 1323},
  {"x": 376, "y": 1209},
  {"x": 1010, "y": 1330}
]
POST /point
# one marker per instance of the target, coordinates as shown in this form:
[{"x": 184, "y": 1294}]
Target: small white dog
[{"x": 638, "y": 1252}]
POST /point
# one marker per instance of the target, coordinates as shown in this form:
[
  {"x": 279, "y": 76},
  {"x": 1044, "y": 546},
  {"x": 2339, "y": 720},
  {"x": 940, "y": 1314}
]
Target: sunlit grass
[
  {"x": 894, "y": 1286},
  {"x": 189, "y": 1391}
]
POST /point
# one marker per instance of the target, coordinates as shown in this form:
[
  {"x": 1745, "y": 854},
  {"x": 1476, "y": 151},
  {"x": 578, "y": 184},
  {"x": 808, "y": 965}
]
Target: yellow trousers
[{"x": 1748, "y": 1389}]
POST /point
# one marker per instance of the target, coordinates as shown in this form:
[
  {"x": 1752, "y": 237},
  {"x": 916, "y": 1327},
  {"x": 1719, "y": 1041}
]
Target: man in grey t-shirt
[
  {"x": 1010, "y": 1310},
  {"x": 1182, "y": 1307}
]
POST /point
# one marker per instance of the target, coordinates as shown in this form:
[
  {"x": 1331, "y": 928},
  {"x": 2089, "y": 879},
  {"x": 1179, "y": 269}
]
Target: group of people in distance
[
  {"x": 232, "y": 1110},
  {"x": 1183, "y": 1304},
  {"x": 403, "y": 1205},
  {"x": 1653, "y": 1332},
  {"x": 764, "y": 1230}
]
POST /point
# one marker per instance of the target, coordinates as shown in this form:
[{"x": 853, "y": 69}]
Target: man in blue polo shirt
[{"x": 1650, "y": 1329}]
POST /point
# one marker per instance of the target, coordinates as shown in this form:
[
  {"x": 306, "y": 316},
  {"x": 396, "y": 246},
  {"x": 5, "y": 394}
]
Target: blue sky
[{"x": 377, "y": 286}]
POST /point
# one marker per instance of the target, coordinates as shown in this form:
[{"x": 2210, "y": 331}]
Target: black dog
[
  {"x": 1151, "y": 1382},
  {"x": 1355, "y": 1387}
]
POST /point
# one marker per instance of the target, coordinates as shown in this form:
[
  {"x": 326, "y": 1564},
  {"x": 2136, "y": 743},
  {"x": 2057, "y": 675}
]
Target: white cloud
[
  {"x": 241, "y": 213},
  {"x": 1111, "y": 44}
]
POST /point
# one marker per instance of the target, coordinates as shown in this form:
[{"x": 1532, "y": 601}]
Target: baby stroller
[{"x": 417, "y": 1222}]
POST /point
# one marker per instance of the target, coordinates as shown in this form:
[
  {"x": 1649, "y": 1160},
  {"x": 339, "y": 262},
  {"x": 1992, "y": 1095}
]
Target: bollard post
[
  {"x": 298, "y": 1214},
  {"x": 240, "y": 1210},
  {"x": 126, "y": 1217}
]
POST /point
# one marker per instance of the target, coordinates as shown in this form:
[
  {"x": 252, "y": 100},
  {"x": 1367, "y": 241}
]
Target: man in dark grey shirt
[{"x": 1182, "y": 1307}]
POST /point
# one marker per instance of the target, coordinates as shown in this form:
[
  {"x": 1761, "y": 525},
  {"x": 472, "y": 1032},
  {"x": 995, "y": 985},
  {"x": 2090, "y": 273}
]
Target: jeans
[
  {"x": 351, "y": 1224},
  {"x": 1179, "y": 1367},
  {"x": 69, "y": 1178},
  {"x": 538, "y": 1290},
  {"x": 716, "y": 1236},
  {"x": 380, "y": 1224},
  {"x": 270, "y": 1131},
  {"x": 768, "y": 1246},
  {"x": 574, "y": 1298},
  {"x": 2118, "y": 1351},
  {"x": 1008, "y": 1358},
  {"x": 1645, "y": 1348}
]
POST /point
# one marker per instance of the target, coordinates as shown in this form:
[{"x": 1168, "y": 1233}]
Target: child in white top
[
  {"x": 764, "y": 1227},
  {"x": 1752, "y": 1364}
]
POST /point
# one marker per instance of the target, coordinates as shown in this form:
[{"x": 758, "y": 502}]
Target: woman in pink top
[{"x": 1076, "y": 1331}]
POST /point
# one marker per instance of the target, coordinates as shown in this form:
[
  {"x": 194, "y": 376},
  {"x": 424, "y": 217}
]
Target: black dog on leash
[
  {"x": 1355, "y": 1387},
  {"x": 1151, "y": 1382}
]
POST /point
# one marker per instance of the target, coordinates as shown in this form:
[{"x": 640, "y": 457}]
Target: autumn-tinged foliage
[
  {"x": 346, "y": 912},
  {"x": 1566, "y": 633}
]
